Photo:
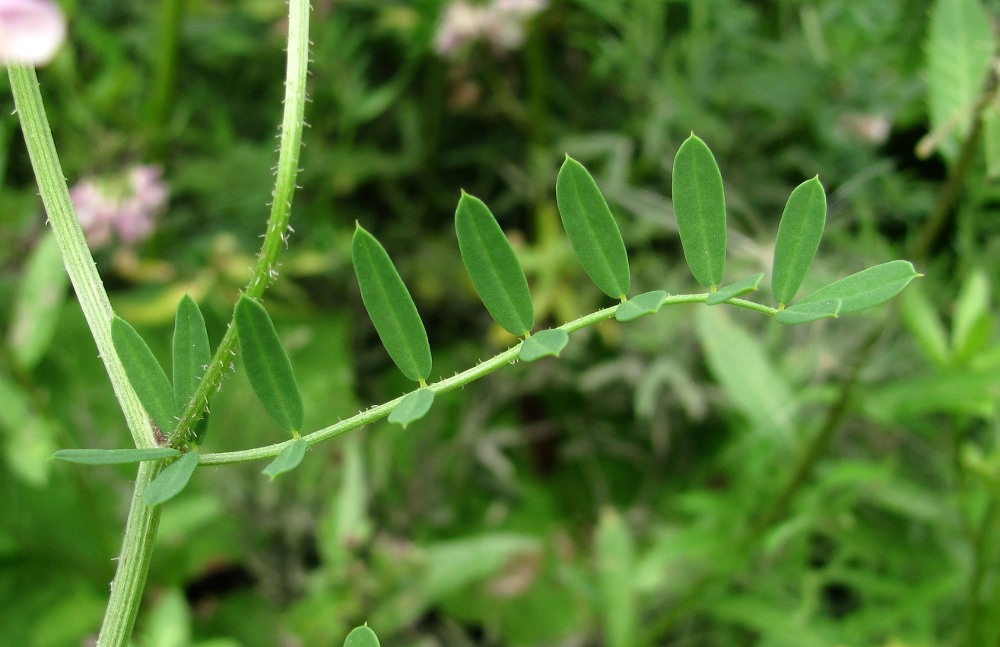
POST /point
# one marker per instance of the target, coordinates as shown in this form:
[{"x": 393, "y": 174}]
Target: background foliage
[{"x": 693, "y": 478}]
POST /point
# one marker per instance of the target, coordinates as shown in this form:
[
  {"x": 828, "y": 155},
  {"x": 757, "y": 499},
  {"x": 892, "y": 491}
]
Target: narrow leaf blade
[
  {"x": 40, "y": 297},
  {"x": 144, "y": 374},
  {"x": 288, "y": 459},
  {"x": 493, "y": 267},
  {"x": 806, "y": 312},
  {"x": 191, "y": 353},
  {"x": 799, "y": 233},
  {"x": 172, "y": 480},
  {"x": 543, "y": 343},
  {"x": 700, "y": 207},
  {"x": 114, "y": 456},
  {"x": 390, "y": 307},
  {"x": 867, "y": 288},
  {"x": 412, "y": 407},
  {"x": 361, "y": 636},
  {"x": 591, "y": 229},
  {"x": 267, "y": 366},
  {"x": 640, "y": 305},
  {"x": 733, "y": 290}
]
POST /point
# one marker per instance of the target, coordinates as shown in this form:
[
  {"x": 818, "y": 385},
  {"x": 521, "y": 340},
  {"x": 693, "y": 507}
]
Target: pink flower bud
[{"x": 31, "y": 31}]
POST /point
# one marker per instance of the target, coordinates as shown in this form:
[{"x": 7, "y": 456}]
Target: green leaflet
[
  {"x": 361, "y": 637},
  {"x": 640, "y": 305},
  {"x": 412, "y": 407},
  {"x": 288, "y": 459},
  {"x": 267, "y": 366},
  {"x": 172, "y": 480},
  {"x": 592, "y": 229},
  {"x": 741, "y": 287},
  {"x": 493, "y": 267},
  {"x": 700, "y": 207},
  {"x": 192, "y": 353},
  {"x": 865, "y": 289},
  {"x": 114, "y": 456},
  {"x": 144, "y": 374},
  {"x": 543, "y": 343},
  {"x": 806, "y": 312},
  {"x": 799, "y": 233},
  {"x": 40, "y": 296},
  {"x": 391, "y": 307}
]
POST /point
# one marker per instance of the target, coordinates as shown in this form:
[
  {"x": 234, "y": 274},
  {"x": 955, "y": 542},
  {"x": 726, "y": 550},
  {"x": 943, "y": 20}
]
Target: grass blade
[
  {"x": 267, "y": 366},
  {"x": 391, "y": 307},
  {"x": 144, "y": 374},
  {"x": 799, "y": 233},
  {"x": 592, "y": 229},
  {"x": 493, "y": 267},
  {"x": 172, "y": 480},
  {"x": 700, "y": 207}
]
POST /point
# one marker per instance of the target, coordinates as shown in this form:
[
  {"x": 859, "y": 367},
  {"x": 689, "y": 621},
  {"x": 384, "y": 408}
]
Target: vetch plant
[{"x": 167, "y": 415}]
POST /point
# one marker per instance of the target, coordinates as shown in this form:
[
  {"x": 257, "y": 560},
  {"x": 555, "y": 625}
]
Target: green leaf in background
[
  {"x": 391, "y": 307},
  {"x": 700, "y": 207},
  {"x": 192, "y": 352},
  {"x": 959, "y": 46},
  {"x": 412, "y": 407},
  {"x": 267, "y": 366},
  {"x": 924, "y": 323},
  {"x": 493, "y": 267},
  {"x": 806, "y": 312},
  {"x": 799, "y": 233},
  {"x": 288, "y": 459},
  {"x": 733, "y": 290},
  {"x": 29, "y": 435},
  {"x": 867, "y": 288},
  {"x": 592, "y": 229},
  {"x": 615, "y": 553},
  {"x": 145, "y": 375},
  {"x": 40, "y": 296},
  {"x": 361, "y": 636},
  {"x": 543, "y": 343},
  {"x": 640, "y": 305},
  {"x": 971, "y": 322},
  {"x": 114, "y": 456},
  {"x": 172, "y": 480}
]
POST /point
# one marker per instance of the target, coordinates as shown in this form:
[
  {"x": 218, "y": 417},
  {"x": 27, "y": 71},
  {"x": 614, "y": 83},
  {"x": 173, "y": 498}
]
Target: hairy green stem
[
  {"x": 276, "y": 236},
  {"x": 509, "y": 356}
]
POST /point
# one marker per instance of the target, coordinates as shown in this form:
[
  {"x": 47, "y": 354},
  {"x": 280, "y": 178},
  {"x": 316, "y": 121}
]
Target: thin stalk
[{"x": 458, "y": 380}]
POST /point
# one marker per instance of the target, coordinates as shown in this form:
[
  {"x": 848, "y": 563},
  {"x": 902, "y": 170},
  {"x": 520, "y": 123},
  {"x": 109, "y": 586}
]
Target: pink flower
[
  {"x": 501, "y": 23},
  {"x": 31, "y": 31},
  {"x": 127, "y": 204}
]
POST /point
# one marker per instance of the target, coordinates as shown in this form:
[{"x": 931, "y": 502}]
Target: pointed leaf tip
[
  {"x": 390, "y": 307},
  {"x": 700, "y": 208},
  {"x": 592, "y": 229},
  {"x": 361, "y": 636},
  {"x": 267, "y": 365},
  {"x": 493, "y": 266},
  {"x": 865, "y": 289}
]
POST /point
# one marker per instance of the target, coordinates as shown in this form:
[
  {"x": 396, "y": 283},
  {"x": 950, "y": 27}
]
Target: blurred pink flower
[
  {"x": 127, "y": 204},
  {"x": 31, "y": 31},
  {"x": 500, "y": 23}
]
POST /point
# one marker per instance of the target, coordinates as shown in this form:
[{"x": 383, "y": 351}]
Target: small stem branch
[{"x": 509, "y": 356}]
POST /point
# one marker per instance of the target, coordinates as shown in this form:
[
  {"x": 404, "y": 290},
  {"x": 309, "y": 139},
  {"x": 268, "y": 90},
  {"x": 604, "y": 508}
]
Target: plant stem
[
  {"x": 265, "y": 271},
  {"x": 509, "y": 356}
]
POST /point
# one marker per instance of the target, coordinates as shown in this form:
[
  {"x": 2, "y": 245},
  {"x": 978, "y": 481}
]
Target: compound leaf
[
  {"x": 288, "y": 459},
  {"x": 640, "y": 305},
  {"x": 591, "y": 229},
  {"x": 865, "y": 289},
  {"x": 543, "y": 344},
  {"x": 362, "y": 636},
  {"x": 114, "y": 456},
  {"x": 799, "y": 233},
  {"x": 172, "y": 480},
  {"x": 493, "y": 267},
  {"x": 412, "y": 407},
  {"x": 741, "y": 287},
  {"x": 390, "y": 307},
  {"x": 144, "y": 374},
  {"x": 266, "y": 364},
  {"x": 700, "y": 207}
]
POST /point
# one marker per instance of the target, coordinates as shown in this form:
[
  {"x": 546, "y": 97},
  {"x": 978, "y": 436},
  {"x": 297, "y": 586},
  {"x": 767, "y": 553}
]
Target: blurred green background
[{"x": 696, "y": 479}]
